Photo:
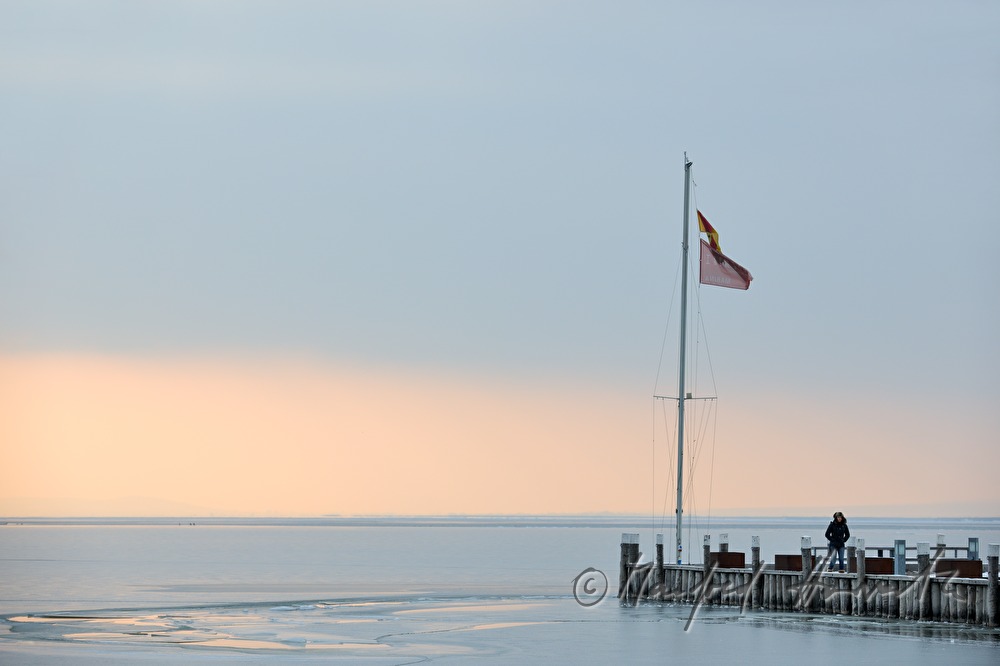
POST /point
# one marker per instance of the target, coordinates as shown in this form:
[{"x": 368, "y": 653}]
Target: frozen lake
[{"x": 407, "y": 590}]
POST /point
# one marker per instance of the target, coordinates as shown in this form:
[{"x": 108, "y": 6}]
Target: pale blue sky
[{"x": 495, "y": 187}]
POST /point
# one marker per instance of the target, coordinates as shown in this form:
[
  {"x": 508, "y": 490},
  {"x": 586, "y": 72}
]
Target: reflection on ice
[
  {"x": 400, "y": 628},
  {"x": 473, "y": 608},
  {"x": 499, "y": 625}
]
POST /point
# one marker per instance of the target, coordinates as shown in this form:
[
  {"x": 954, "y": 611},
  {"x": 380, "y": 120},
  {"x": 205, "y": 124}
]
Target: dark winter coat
[{"x": 838, "y": 533}]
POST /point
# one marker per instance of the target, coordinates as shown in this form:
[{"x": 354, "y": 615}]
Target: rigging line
[
  {"x": 668, "y": 488},
  {"x": 697, "y": 458},
  {"x": 655, "y": 466},
  {"x": 666, "y": 326},
  {"x": 674, "y": 454},
  {"x": 701, "y": 422},
  {"x": 671, "y": 453},
  {"x": 693, "y": 435},
  {"x": 701, "y": 332},
  {"x": 708, "y": 424},
  {"x": 656, "y": 382},
  {"x": 708, "y": 349},
  {"x": 705, "y": 416},
  {"x": 698, "y": 422},
  {"x": 655, "y": 425},
  {"x": 692, "y": 524},
  {"x": 698, "y": 441},
  {"x": 703, "y": 429},
  {"x": 690, "y": 482},
  {"x": 711, "y": 410},
  {"x": 652, "y": 470},
  {"x": 711, "y": 472}
]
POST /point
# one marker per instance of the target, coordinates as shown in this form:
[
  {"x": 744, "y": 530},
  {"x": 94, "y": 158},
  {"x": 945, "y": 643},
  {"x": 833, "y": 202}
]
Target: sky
[{"x": 309, "y": 258}]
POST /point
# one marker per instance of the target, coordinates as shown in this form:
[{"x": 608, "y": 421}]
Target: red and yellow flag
[
  {"x": 706, "y": 228},
  {"x": 716, "y": 268}
]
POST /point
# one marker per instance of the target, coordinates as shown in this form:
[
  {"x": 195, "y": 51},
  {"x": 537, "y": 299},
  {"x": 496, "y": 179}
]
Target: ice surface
[{"x": 397, "y": 594}]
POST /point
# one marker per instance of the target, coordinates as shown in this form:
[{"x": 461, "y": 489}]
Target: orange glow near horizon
[
  {"x": 290, "y": 438},
  {"x": 90, "y": 435}
]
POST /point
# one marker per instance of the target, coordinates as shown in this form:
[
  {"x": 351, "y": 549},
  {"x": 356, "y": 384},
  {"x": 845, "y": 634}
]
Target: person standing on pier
[{"x": 837, "y": 535}]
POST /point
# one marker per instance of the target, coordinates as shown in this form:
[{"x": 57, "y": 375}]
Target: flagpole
[{"x": 680, "y": 369}]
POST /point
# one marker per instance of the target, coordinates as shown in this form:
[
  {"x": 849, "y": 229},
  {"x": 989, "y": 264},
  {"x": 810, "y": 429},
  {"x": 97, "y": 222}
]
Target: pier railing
[
  {"x": 934, "y": 590},
  {"x": 900, "y": 551}
]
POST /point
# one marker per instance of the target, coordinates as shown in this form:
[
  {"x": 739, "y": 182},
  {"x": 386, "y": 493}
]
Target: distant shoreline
[{"x": 623, "y": 521}]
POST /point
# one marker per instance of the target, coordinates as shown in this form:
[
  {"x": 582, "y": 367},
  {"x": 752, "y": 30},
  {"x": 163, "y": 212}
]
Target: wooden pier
[{"x": 935, "y": 589}]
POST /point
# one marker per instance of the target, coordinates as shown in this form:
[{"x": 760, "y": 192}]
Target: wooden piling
[
  {"x": 899, "y": 557},
  {"x": 923, "y": 582},
  {"x": 755, "y": 593},
  {"x": 892, "y": 599},
  {"x": 936, "y": 606},
  {"x": 659, "y": 578},
  {"x": 923, "y": 557},
  {"x": 714, "y": 581},
  {"x": 805, "y": 597},
  {"x": 861, "y": 603},
  {"x": 961, "y": 600},
  {"x": 767, "y": 593},
  {"x": 626, "y": 565},
  {"x": 993, "y": 594},
  {"x": 623, "y": 566}
]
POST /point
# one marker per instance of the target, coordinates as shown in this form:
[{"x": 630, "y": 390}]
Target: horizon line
[{"x": 512, "y": 515}]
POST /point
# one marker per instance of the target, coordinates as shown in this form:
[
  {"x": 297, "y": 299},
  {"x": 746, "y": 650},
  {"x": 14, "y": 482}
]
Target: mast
[{"x": 680, "y": 370}]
